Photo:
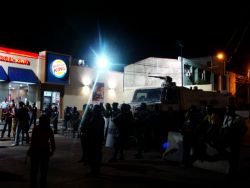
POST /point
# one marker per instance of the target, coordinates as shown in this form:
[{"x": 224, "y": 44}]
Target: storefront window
[{"x": 19, "y": 92}]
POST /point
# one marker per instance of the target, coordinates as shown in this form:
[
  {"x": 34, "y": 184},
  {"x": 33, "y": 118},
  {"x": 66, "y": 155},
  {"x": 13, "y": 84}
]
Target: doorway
[{"x": 51, "y": 98}]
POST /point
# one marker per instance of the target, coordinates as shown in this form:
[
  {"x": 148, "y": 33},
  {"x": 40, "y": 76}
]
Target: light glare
[
  {"x": 86, "y": 81},
  {"x": 220, "y": 56},
  {"x": 111, "y": 84},
  {"x": 102, "y": 62}
]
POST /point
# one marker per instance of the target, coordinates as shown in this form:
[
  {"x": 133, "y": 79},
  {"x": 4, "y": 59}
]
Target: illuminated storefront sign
[
  {"x": 58, "y": 68},
  {"x": 14, "y": 60}
]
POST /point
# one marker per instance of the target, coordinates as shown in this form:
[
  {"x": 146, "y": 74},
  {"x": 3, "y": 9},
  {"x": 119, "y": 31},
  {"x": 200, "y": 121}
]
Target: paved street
[{"x": 151, "y": 171}]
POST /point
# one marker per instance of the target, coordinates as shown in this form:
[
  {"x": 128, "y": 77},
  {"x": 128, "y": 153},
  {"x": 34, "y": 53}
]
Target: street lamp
[{"x": 222, "y": 58}]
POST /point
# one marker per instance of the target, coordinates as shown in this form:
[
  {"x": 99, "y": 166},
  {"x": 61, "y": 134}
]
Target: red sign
[
  {"x": 18, "y": 52},
  {"x": 14, "y": 60}
]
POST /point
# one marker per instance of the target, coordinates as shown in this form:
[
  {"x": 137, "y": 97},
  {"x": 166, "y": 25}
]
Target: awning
[
  {"x": 3, "y": 75},
  {"x": 22, "y": 75}
]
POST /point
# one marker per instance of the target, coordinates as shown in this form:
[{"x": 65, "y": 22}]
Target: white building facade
[{"x": 204, "y": 73}]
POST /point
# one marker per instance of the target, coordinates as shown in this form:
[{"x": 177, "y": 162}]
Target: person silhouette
[{"x": 41, "y": 149}]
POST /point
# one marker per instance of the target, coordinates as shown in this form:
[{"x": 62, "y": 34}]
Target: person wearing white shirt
[{"x": 4, "y": 105}]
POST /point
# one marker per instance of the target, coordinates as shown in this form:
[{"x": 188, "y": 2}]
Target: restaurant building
[{"x": 50, "y": 78}]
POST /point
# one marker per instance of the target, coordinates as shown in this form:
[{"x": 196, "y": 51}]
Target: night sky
[{"x": 132, "y": 31}]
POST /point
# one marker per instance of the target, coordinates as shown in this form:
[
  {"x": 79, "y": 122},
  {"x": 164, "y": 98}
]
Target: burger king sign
[{"x": 58, "y": 68}]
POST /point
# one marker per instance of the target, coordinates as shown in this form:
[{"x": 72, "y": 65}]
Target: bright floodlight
[
  {"x": 102, "y": 62},
  {"x": 80, "y": 62}
]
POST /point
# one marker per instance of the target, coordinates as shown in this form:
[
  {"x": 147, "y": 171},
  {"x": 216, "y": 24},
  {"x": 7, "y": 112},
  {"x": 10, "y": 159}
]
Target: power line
[{"x": 240, "y": 41}]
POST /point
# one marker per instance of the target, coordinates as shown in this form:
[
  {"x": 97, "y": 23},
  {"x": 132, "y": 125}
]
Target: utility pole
[
  {"x": 182, "y": 68},
  {"x": 248, "y": 87},
  {"x": 212, "y": 73}
]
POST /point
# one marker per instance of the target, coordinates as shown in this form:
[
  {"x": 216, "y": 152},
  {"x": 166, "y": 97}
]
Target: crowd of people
[
  {"x": 201, "y": 127},
  {"x": 18, "y": 120},
  {"x": 115, "y": 125},
  {"x": 212, "y": 128},
  {"x": 71, "y": 120}
]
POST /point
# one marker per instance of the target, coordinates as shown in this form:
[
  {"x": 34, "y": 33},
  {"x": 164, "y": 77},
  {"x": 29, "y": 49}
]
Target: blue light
[{"x": 165, "y": 145}]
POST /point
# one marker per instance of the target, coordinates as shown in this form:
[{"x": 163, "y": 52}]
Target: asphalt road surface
[{"x": 151, "y": 171}]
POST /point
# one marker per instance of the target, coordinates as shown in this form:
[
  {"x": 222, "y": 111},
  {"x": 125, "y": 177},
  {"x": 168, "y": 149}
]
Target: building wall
[
  {"x": 232, "y": 83},
  {"x": 137, "y": 74},
  {"x": 41, "y": 68},
  {"x": 78, "y": 93}
]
